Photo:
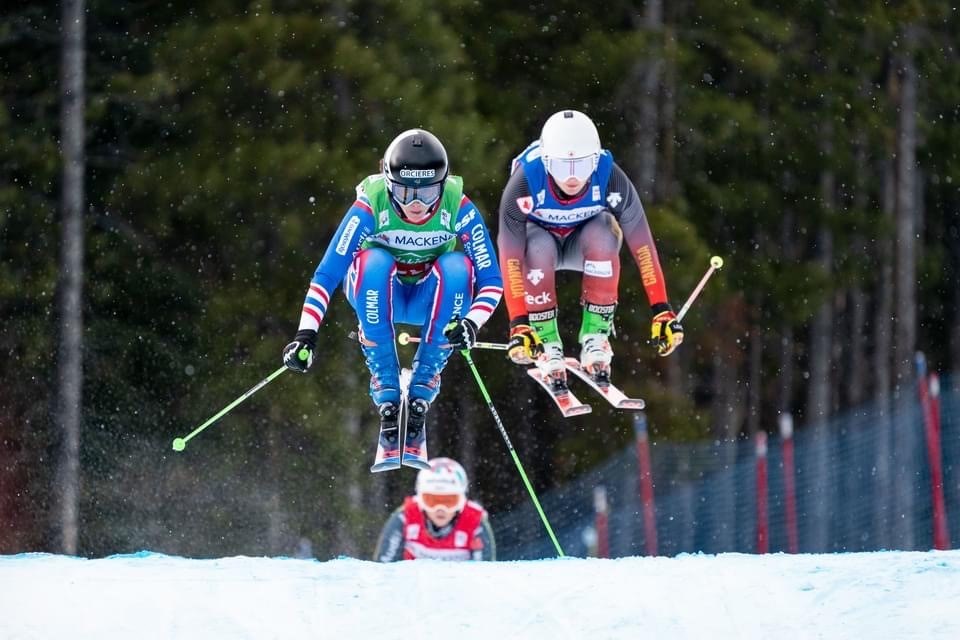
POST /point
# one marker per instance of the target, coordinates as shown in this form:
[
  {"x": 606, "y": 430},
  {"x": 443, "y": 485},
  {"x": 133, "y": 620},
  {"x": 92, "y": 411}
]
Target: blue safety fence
[{"x": 862, "y": 483}]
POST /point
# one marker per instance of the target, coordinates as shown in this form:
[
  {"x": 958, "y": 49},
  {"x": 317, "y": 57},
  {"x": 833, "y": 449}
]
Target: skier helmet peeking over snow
[{"x": 438, "y": 522}]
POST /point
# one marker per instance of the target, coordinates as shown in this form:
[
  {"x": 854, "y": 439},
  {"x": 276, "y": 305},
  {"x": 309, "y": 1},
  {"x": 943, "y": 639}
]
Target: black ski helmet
[{"x": 414, "y": 160}]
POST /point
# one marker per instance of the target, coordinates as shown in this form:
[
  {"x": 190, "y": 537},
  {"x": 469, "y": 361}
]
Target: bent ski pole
[
  {"x": 406, "y": 338},
  {"x": 716, "y": 262},
  {"x": 179, "y": 444},
  {"x": 513, "y": 452}
]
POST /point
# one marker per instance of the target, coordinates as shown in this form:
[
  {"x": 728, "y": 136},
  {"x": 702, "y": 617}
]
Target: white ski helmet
[
  {"x": 568, "y": 136},
  {"x": 445, "y": 477}
]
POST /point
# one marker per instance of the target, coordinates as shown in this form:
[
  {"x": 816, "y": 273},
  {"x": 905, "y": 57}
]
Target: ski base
[
  {"x": 568, "y": 403},
  {"x": 610, "y": 392}
]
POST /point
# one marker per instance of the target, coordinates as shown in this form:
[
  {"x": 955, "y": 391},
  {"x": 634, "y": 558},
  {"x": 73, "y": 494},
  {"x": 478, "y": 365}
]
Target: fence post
[
  {"x": 646, "y": 483},
  {"x": 601, "y": 519},
  {"x": 928, "y": 388},
  {"x": 789, "y": 485},
  {"x": 763, "y": 538},
  {"x": 941, "y": 528}
]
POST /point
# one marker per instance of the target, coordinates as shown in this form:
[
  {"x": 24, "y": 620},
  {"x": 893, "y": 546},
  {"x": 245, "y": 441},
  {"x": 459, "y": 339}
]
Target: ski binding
[{"x": 568, "y": 403}]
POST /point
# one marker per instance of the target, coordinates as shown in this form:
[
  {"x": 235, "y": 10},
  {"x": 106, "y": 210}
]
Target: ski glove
[
  {"x": 298, "y": 355},
  {"x": 666, "y": 332},
  {"x": 525, "y": 345},
  {"x": 462, "y": 333}
]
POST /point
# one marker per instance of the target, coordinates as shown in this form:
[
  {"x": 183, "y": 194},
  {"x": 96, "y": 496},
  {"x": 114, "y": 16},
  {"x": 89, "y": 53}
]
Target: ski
[
  {"x": 413, "y": 452},
  {"x": 610, "y": 392},
  {"x": 388, "y": 445},
  {"x": 568, "y": 403},
  {"x": 415, "y": 439}
]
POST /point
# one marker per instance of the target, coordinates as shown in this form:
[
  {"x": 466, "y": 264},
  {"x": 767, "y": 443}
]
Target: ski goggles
[
  {"x": 563, "y": 168},
  {"x": 427, "y": 194},
  {"x": 451, "y": 501}
]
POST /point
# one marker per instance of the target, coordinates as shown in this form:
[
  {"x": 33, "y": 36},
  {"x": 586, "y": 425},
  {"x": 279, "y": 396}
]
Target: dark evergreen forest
[{"x": 812, "y": 145}]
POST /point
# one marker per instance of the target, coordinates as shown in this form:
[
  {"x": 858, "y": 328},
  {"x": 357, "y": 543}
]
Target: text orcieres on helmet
[
  {"x": 443, "y": 484},
  {"x": 570, "y": 148},
  {"x": 415, "y": 166}
]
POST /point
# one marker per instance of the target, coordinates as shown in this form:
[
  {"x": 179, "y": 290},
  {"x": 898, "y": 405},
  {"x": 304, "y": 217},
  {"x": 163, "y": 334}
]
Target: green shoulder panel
[{"x": 412, "y": 243}]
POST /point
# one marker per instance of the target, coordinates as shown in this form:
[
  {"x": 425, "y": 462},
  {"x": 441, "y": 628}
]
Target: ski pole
[
  {"x": 406, "y": 338},
  {"x": 716, "y": 262},
  {"x": 179, "y": 444},
  {"x": 513, "y": 452}
]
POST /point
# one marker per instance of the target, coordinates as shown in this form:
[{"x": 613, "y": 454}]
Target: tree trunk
[
  {"x": 787, "y": 357},
  {"x": 882, "y": 331},
  {"x": 69, "y": 393},
  {"x": 786, "y": 370},
  {"x": 856, "y": 375},
  {"x": 953, "y": 294},
  {"x": 883, "y": 324},
  {"x": 820, "y": 366},
  {"x": 727, "y": 405},
  {"x": 666, "y": 187},
  {"x": 819, "y": 385},
  {"x": 649, "y": 71},
  {"x": 755, "y": 378},
  {"x": 905, "y": 335}
]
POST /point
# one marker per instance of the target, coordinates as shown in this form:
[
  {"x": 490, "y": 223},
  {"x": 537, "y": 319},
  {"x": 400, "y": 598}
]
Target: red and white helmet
[{"x": 444, "y": 483}]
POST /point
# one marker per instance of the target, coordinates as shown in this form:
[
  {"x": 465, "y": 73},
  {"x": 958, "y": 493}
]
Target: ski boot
[
  {"x": 551, "y": 365},
  {"x": 428, "y": 364},
  {"x": 595, "y": 357}
]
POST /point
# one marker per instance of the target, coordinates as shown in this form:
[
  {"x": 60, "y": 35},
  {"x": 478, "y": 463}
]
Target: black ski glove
[
  {"x": 298, "y": 355},
  {"x": 462, "y": 333}
]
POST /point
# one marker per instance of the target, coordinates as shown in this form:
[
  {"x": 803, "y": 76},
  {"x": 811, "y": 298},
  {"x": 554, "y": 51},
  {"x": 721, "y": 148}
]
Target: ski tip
[
  {"x": 635, "y": 404},
  {"x": 581, "y": 410},
  {"x": 416, "y": 463}
]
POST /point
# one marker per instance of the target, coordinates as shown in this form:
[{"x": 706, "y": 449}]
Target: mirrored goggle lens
[
  {"x": 579, "y": 168},
  {"x": 434, "y": 500},
  {"x": 427, "y": 194}
]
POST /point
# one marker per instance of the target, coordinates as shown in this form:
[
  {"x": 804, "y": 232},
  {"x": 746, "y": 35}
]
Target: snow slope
[{"x": 146, "y": 595}]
